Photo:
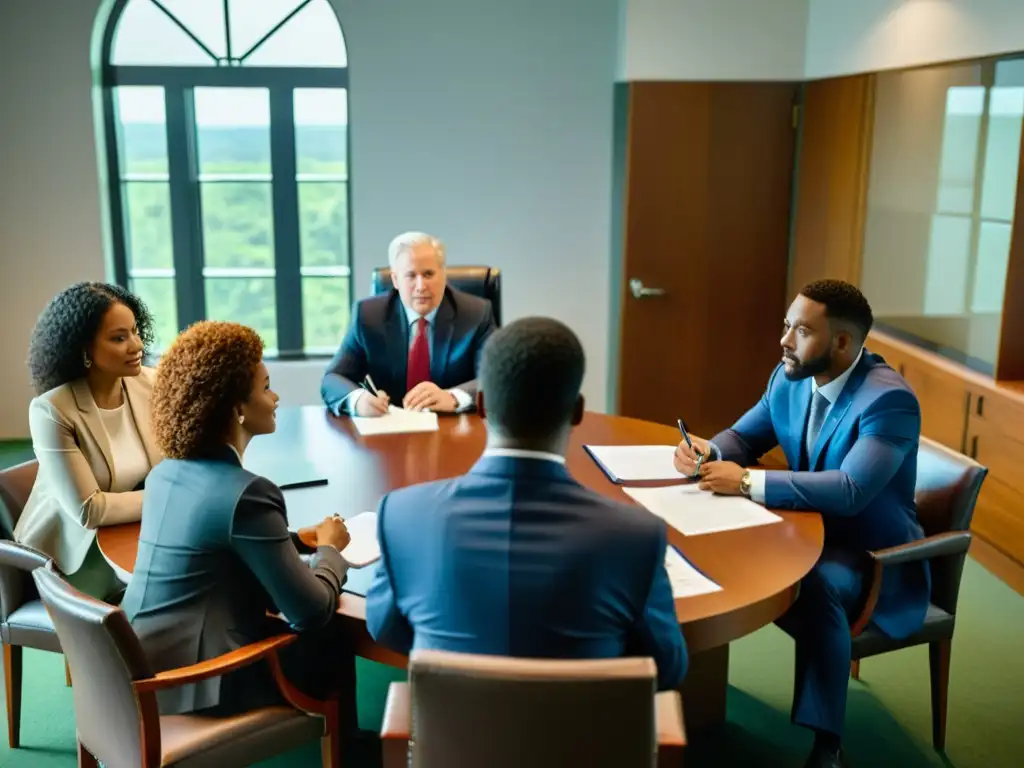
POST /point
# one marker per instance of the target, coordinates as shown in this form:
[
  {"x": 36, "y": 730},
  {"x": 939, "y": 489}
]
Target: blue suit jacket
[
  {"x": 860, "y": 475},
  {"x": 377, "y": 343},
  {"x": 516, "y": 558}
]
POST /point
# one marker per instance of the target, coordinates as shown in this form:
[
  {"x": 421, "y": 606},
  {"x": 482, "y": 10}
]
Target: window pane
[
  {"x": 142, "y": 129},
  {"x": 1002, "y": 153},
  {"x": 204, "y": 19},
  {"x": 157, "y": 293},
  {"x": 245, "y": 300},
  {"x": 238, "y": 228},
  {"x": 323, "y": 220},
  {"x": 993, "y": 259},
  {"x": 146, "y": 35},
  {"x": 326, "y": 302},
  {"x": 321, "y": 130},
  {"x": 960, "y": 136},
  {"x": 234, "y": 130},
  {"x": 945, "y": 272},
  {"x": 311, "y": 38},
  {"x": 148, "y": 214}
]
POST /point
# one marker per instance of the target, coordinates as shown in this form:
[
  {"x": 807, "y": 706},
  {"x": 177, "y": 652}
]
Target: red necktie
[{"x": 419, "y": 357}]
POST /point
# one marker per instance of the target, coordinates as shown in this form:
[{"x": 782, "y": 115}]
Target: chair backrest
[
  {"x": 16, "y": 562},
  {"x": 470, "y": 710},
  {"x": 946, "y": 492},
  {"x": 484, "y": 282},
  {"x": 104, "y": 656},
  {"x": 15, "y": 486}
]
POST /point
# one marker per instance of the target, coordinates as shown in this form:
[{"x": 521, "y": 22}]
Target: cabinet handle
[
  {"x": 974, "y": 447},
  {"x": 981, "y": 405},
  {"x": 902, "y": 369}
]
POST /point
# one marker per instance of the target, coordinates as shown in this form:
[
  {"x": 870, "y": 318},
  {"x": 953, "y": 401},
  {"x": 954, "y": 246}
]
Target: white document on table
[
  {"x": 397, "y": 420},
  {"x": 692, "y": 511},
  {"x": 635, "y": 462},
  {"x": 364, "y": 548},
  {"x": 686, "y": 580}
]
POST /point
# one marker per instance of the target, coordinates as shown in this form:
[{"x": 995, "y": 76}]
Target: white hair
[{"x": 409, "y": 240}]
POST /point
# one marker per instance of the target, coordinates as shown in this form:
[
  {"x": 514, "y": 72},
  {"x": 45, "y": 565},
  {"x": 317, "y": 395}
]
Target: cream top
[{"x": 131, "y": 464}]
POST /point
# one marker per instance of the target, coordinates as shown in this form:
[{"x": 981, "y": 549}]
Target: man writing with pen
[{"x": 417, "y": 346}]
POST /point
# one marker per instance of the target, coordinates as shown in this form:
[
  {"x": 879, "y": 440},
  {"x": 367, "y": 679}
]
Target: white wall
[
  {"x": 713, "y": 40},
  {"x": 849, "y": 36},
  {"x": 487, "y": 124}
]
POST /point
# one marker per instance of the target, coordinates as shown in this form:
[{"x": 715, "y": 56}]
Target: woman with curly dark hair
[
  {"x": 215, "y": 555},
  {"x": 90, "y": 425}
]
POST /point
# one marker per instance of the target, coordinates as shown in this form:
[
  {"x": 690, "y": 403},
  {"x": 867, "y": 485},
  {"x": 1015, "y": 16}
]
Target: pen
[
  {"x": 682, "y": 431},
  {"x": 368, "y": 383},
  {"x": 686, "y": 437}
]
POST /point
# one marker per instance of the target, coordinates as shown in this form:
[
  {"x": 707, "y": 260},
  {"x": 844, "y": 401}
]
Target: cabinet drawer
[
  {"x": 1001, "y": 453},
  {"x": 1005, "y": 414},
  {"x": 943, "y": 400},
  {"x": 999, "y": 517}
]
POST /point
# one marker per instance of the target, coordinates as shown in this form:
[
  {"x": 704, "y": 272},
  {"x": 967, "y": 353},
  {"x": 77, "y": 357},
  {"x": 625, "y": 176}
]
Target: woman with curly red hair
[{"x": 215, "y": 555}]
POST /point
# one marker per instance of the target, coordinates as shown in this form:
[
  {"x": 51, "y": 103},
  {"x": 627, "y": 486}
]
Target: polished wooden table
[{"x": 758, "y": 568}]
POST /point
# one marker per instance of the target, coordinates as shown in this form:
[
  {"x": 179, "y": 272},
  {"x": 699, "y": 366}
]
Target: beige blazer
[{"x": 71, "y": 498}]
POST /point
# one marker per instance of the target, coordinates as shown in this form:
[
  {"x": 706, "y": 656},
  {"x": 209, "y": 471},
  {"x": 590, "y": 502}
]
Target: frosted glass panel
[
  {"x": 990, "y": 275},
  {"x": 946, "y": 273}
]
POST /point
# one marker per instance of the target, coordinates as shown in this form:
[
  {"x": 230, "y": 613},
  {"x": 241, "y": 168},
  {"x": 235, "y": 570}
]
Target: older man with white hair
[{"x": 418, "y": 345}]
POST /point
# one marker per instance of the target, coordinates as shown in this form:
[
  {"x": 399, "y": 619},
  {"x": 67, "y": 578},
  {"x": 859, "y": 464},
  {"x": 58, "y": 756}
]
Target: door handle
[{"x": 636, "y": 287}]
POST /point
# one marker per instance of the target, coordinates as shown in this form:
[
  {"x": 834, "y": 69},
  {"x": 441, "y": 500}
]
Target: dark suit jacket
[
  {"x": 860, "y": 475},
  {"x": 214, "y": 556},
  {"x": 516, "y": 558},
  {"x": 377, "y": 343}
]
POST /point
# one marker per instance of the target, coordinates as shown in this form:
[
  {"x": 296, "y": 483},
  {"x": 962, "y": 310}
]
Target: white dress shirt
[
  {"x": 518, "y": 453},
  {"x": 462, "y": 398},
  {"x": 830, "y": 392}
]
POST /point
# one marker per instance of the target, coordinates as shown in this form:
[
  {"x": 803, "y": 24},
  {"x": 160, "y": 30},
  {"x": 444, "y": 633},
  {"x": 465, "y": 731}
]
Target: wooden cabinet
[{"x": 977, "y": 416}]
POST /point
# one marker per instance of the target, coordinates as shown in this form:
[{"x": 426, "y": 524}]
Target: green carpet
[{"x": 888, "y": 716}]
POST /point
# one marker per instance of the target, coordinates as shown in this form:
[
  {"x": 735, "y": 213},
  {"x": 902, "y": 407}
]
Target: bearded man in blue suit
[{"x": 849, "y": 426}]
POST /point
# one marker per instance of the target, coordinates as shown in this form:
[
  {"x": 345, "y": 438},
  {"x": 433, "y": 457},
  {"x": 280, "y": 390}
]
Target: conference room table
[{"x": 758, "y": 568}]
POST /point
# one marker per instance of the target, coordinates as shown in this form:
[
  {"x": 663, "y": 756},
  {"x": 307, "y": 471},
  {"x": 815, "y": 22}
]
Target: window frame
[{"x": 183, "y": 170}]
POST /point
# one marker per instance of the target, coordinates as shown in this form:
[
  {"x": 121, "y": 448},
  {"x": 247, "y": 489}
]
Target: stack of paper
[
  {"x": 396, "y": 421},
  {"x": 686, "y": 580},
  {"x": 692, "y": 511},
  {"x": 623, "y": 463},
  {"x": 364, "y": 548}
]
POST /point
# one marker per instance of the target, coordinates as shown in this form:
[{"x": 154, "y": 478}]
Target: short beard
[{"x": 812, "y": 367}]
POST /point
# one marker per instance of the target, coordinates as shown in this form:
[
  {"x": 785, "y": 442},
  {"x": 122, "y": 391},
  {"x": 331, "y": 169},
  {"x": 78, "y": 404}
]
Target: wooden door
[{"x": 706, "y": 202}]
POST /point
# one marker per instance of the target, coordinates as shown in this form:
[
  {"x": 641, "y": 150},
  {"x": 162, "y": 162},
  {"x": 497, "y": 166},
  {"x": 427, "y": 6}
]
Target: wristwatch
[{"x": 745, "y": 483}]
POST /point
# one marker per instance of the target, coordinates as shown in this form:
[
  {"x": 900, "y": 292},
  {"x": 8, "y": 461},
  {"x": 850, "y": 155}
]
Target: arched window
[{"x": 226, "y": 125}]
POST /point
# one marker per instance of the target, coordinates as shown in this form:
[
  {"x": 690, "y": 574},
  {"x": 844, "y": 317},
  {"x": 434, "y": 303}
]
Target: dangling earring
[
  {"x": 86, "y": 360},
  {"x": 241, "y": 419}
]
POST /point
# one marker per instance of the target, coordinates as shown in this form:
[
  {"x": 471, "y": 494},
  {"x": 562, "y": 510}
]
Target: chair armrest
[
  {"x": 940, "y": 545},
  {"x": 669, "y": 728},
  {"x": 16, "y": 588},
  {"x": 395, "y": 730},
  {"x": 221, "y": 665}
]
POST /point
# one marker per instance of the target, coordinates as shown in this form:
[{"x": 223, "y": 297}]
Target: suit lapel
[
  {"x": 444, "y": 327},
  {"x": 398, "y": 345},
  {"x": 138, "y": 395},
  {"x": 838, "y": 411},
  {"x": 91, "y": 416}
]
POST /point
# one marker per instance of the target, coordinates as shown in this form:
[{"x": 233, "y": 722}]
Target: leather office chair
[
  {"x": 23, "y": 619},
  {"x": 947, "y": 490},
  {"x": 116, "y": 715},
  {"x": 467, "y": 711},
  {"x": 484, "y": 282}
]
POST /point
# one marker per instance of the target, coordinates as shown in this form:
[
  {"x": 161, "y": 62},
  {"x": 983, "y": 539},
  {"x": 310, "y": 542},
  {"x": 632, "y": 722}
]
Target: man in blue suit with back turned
[
  {"x": 419, "y": 344},
  {"x": 516, "y": 558},
  {"x": 849, "y": 426}
]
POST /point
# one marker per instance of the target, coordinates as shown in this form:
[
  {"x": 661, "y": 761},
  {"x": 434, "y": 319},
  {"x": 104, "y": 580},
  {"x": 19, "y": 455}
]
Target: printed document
[
  {"x": 686, "y": 580},
  {"x": 692, "y": 511},
  {"x": 635, "y": 462},
  {"x": 396, "y": 421}
]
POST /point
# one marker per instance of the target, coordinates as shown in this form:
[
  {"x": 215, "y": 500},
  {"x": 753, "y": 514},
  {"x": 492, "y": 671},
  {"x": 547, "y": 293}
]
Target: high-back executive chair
[
  {"x": 947, "y": 490},
  {"x": 466, "y": 711},
  {"x": 484, "y": 282}
]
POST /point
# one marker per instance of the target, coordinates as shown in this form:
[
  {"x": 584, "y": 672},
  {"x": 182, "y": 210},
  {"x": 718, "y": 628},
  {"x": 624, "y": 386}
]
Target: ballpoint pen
[
  {"x": 368, "y": 383},
  {"x": 686, "y": 437}
]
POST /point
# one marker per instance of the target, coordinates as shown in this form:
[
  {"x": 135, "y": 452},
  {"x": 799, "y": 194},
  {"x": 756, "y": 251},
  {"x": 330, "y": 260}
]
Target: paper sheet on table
[
  {"x": 364, "y": 548},
  {"x": 635, "y": 462},
  {"x": 686, "y": 580},
  {"x": 692, "y": 511},
  {"x": 398, "y": 420}
]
